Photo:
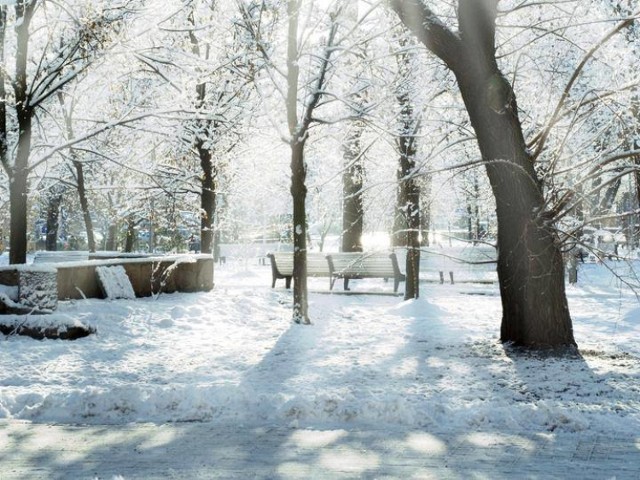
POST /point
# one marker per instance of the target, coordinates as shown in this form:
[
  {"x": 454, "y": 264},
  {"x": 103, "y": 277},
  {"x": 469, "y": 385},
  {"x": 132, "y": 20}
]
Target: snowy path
[{"x": 194, "y": 451}]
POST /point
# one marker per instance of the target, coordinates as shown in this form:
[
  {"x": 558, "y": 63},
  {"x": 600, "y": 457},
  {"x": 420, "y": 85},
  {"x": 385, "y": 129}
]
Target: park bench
[
  {"x": 364, "y": 265},
  {"x": 282, "y": 266}
]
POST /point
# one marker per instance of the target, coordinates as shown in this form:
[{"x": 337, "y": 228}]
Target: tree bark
[
  {"x": 530, "y": 265},
  {"x": 84, "y": 205},
  {"x": 3, "y": 92},
  {"x": 207, "y": 199},
  {"x": 412, "y": 282},
  {"x": 80, "y": 178},
  {"x": 408, "y": 208},
  {"x": 130, "y": 235},
  {"x": 352, "y": 153},
  {"x": 112, "y": 232},
  {"x": 18, "y": 218},
  {"x": 352, "y": 182},
  {"x": 407, "y": 216},
  {"x": 19, "y": 174},
  {"x": 299, "y": 132},
  {"x": 53, "y": 220},
  {"x": 299, "y": 196},
  {"x": 112, "y": 237},
  {"x": 208, "y": 178}
]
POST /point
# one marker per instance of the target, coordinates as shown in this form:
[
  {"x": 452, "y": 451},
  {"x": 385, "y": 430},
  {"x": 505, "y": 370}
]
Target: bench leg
[
  {"x": 287, "y": 281},
  {"x": 346, "y": 283},
  {"x": 273, "y": 283},
  {"x": 396, "y": 284}
]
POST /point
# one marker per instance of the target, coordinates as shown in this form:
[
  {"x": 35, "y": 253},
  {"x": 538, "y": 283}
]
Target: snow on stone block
[
  {"x": 54, "y": 326},
  {"x": 114, "y": 282},
  {"x": 38, "y": 290}
]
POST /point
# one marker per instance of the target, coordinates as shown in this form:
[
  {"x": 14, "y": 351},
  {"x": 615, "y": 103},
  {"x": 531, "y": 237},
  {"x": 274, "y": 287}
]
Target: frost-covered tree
[
  {"x": 45, "y": 46},
  {"x": 201, "y": 56},
  {"x": 524, "y": 174},
  {"x": 407, "y": 216},
  {"x": 299, "y": 73},
  {"x": 530, "y": 266}
]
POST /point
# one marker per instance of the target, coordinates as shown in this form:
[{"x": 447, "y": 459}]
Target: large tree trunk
[
  {"x": 18, "y": 191},
  {"x": 18, "y": 186},
  {"x": 299, "y": 196},
  {"x": 18, "y": 218},
  {"x": 530, "y": 266},
  {"x": 352, "y": 181}
]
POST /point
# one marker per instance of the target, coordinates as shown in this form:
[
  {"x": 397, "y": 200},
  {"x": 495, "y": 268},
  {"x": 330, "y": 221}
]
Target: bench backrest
[
  {"x": 377, "y": 265},
  {"x": 317, "y": 265}
]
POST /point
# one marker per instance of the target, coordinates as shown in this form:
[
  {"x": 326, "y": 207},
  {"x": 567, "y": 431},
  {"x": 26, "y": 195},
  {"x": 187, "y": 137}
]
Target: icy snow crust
[{"x": 233, "y": 355}]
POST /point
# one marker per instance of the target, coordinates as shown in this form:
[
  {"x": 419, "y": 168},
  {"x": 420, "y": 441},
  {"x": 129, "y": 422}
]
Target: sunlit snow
[{"x": 234, "y": 355}]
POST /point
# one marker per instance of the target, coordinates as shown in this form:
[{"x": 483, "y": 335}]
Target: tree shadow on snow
[
  {"x": 445, "y": 441},
  {"x": 579, "y": 390}
]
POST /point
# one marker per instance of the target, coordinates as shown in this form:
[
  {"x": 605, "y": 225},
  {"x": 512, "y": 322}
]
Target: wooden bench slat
[
  {"x": 347, "y": 266},
  {"x": 364, "y": 265}
]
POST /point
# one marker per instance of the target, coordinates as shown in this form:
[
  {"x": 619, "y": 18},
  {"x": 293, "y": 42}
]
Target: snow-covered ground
[{"x": 233, "y": 355}]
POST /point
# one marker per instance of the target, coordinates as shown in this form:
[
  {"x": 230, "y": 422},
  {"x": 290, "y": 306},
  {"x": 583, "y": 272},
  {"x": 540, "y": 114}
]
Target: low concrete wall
[
  {"x": 182, "y": 273},
  {"x": 76, "y": 280}
]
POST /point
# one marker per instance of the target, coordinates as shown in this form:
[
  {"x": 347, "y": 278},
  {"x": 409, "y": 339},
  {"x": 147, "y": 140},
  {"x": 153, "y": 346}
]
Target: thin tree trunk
[
  {"x": 407, "y": 218},
  {"x": 130, "y": 235},
  {"x": 208, "y": 179},
  {"x": 207, "y": 199},
  {"x": 469, "y": 220},
  {"x": 112, "y": 237},
  {"x": 352, "y": 153},
  {"x": 476, "y": 208},
  {"x": 299, "y": 131},
  {"x": 400, "y": 227},
  {"x": 425, "y": 214},
  {"x": 53, "y": 221},
  {"x": 298, "y": 170},
  {"x": 3, "y": 93},
  {"x": 112, "y": 231},
  {"x": 84, "y": 205},
  {"x": 299, "y": 195},
  {"x": 80, "y": 178},
  {"x": 412, "y": 282},
  {"x": 352, "y": 182}
]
